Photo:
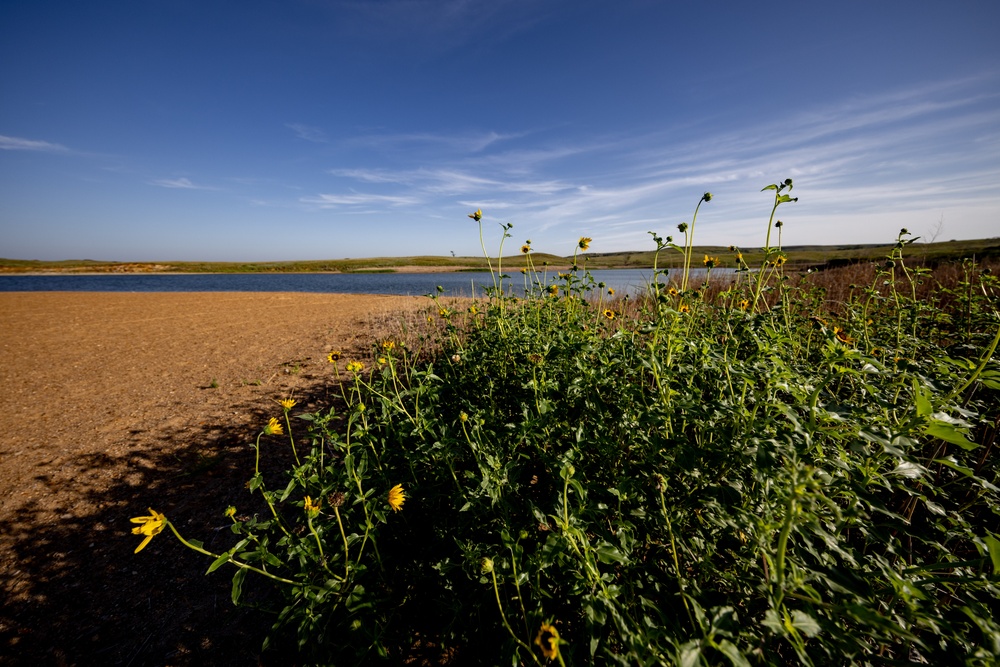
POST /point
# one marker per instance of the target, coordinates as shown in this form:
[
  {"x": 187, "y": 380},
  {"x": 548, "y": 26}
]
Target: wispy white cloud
[
  {"x": 470, "y": 142},
  {"x": 308, "y": 133},
  {"x": 358, "y": 199},
  {"x": 901, "y": 152},
  {"x": 180, "y": 183},
  {"x": 19, "y": 144}
]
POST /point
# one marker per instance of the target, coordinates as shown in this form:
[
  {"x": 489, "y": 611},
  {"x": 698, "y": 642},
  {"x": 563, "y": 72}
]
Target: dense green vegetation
[{"x": 745, "y": 474}]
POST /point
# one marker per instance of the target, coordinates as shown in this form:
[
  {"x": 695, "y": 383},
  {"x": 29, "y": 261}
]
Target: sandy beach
[{"x": 113, "y": 403}]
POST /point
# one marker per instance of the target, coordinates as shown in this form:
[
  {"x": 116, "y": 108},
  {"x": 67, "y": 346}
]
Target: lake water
[{"x": 624, "y": 281}]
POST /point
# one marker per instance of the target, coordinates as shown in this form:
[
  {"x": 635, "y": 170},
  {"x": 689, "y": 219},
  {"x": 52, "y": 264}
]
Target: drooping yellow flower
[
  {"x": 843, "y": 336},
  {"x": 334, "y": 356},
  {"x": 355, "y": 367},
  {"x": 273, "y": 427},
  {"x": 287, "y": 403},
  {"x": 312, "y": 509},
  {"x": 396, "y": 497},
  {"x": 477, "y": 216},
  {"x": 150, "y": 526},
  {"x": 584, "y": 243},
  {"x": 548, "y": 640}
]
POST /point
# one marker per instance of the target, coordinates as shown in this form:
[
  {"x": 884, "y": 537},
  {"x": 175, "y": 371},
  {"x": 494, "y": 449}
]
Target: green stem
[
  {"x": 503, "y": 617},
  {"x": 232, "y": 560}
]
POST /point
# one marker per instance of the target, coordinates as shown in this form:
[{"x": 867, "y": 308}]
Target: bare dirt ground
[{"x": 112, "y": 403}]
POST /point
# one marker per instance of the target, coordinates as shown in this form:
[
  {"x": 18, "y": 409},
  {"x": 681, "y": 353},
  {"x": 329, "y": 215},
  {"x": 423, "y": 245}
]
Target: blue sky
[{"x": 314, "y": 129}]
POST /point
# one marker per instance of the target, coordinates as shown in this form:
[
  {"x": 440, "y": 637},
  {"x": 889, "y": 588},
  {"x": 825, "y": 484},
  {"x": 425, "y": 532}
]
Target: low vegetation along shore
[
  {"x": 783, "y": 468},
  {"x": 800, "y": 257}
]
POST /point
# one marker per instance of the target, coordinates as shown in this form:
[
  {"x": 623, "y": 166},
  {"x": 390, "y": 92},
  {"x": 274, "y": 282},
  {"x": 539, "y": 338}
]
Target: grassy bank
[{"x": 802, "y": 257}]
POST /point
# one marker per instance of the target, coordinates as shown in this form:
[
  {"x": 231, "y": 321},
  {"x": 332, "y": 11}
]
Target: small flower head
[
  {"x": 473, "y": 310},
  {"x": 477, "y": 216},
  {"x": 230, "y": 512},
  {"x": 584, "y": 243},
  {"x": 611, "y": 291},
  {"x": 456, "y": 358},
  {"x": 779, "y": 224},
  {"x": 548, "y": 640},
  {"x": 312, "y": 509},
  {"x": 443, "y": 312},
  {"x": 287, "y": 404},
  {"x": 684, "y": 308},
  {"x": 336, "y": 499},
  {"x": 526, "y": 248},
  {"x": 553, "y": 290},
  {"x": 355, "y": 367},
  {"x": 463, "y": 417},
  {"x": 486, "y": 565},
  {"x": 396, "y": 497},
  {"x": 780, "y": 260},
  {"x": 333, "y": 357},
  {"x": 150, "y": 526},
  {"x": 683, "y": 227},
  {"x": 711, "y": 262},
  {"x": 382, "y": 361},
  {"x": 744, "y": 304},
  {"x": 389, "y": 345},
  {"x": 273, "y": 427},
  {"x": 739, "y": 257},
  {"x": 672, "y": 291},
  {"x": 610, "y": 314},
  {"x": 707, "y": 196},
  {"x": 842, "y": 336},
  {"x": 536, "y": 358}
]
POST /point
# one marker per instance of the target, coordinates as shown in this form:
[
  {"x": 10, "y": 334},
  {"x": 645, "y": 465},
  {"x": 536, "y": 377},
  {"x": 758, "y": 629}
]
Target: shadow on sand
[{"x": 80, "y": 596}]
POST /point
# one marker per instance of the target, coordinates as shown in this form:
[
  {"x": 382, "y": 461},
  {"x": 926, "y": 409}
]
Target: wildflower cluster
[{"x": 757, "y": 475}]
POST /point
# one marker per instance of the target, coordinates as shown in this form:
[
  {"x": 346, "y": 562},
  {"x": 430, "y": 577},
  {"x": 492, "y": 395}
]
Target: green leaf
[
  {"x": 238, "y": 584},
  {"x": 952, "y": 463},
  {"x": 731, "y": 651},
  {"x": 908, "y": 469},
  {"x": 219, "y": 562},
  {"x": 948, "y": 433},
  {"x": 607, "y": 553},
  {"x": 993, "y": 544},
  {"x": 921, "y": 397}
]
